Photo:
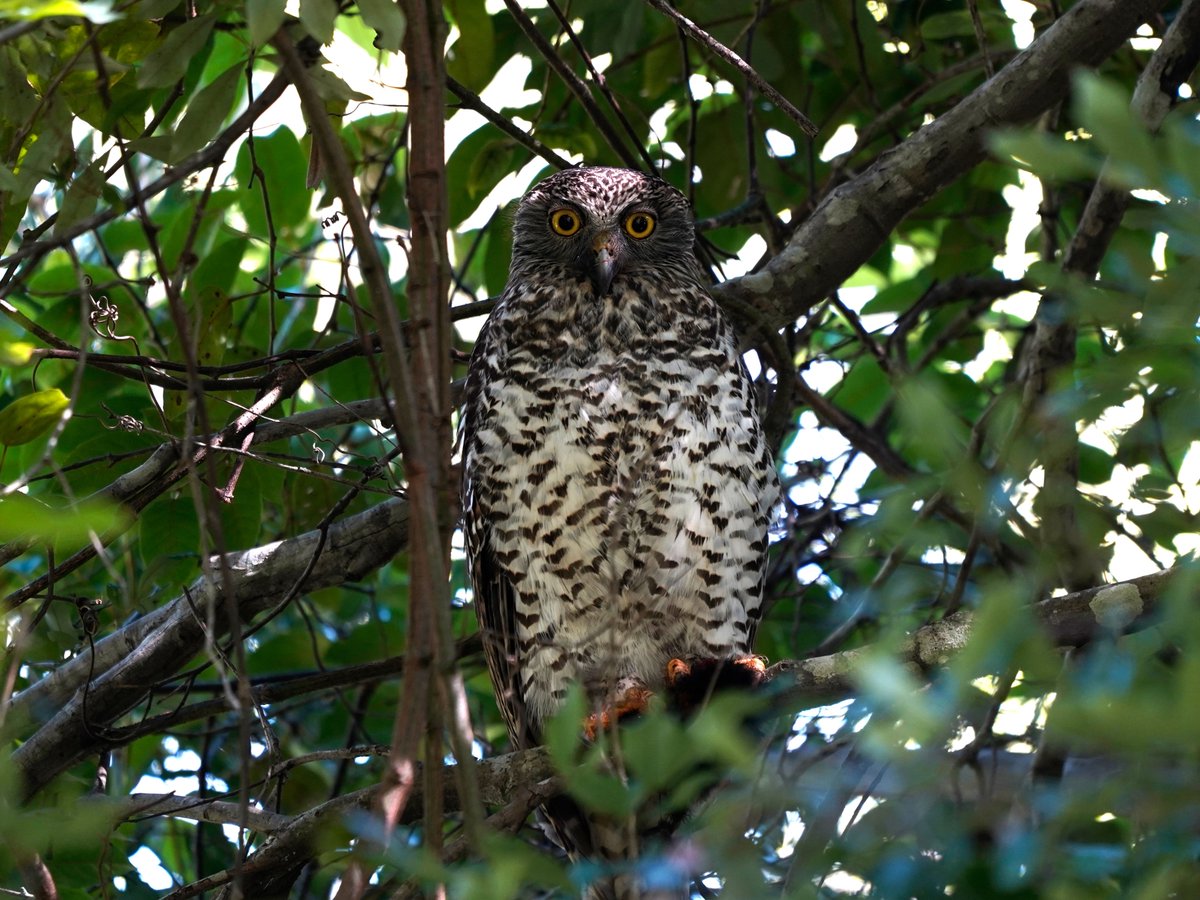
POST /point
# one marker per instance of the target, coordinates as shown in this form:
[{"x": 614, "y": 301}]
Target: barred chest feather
[{"x": 617, "y": 463}]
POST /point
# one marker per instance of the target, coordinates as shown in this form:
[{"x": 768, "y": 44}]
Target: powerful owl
[{"x": 616, "y": 481}]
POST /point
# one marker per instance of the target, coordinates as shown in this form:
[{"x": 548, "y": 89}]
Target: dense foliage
[{"x": 971, "y": 302}]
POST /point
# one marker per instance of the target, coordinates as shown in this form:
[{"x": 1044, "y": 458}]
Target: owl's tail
[
  {"x": 603, "y": 840},
  {"x": 626, "y": 887}
]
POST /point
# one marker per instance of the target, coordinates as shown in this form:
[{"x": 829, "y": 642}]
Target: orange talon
[
  {"x": 677, "y": 669},
  {"x": 689, "y": 684},
  {"x": 634, "y": 700},
  {"x": 757, "y": 664}
]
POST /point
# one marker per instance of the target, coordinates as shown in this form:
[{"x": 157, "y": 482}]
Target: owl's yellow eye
[
  {"x": 639, "y": 225},
  {"x": 565, "y": 222}
]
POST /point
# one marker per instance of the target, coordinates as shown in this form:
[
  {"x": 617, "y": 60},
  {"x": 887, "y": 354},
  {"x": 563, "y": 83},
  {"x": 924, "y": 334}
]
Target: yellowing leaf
[
  {"x": 31, "y": 416},
  {"x": 15, "y": 353}
]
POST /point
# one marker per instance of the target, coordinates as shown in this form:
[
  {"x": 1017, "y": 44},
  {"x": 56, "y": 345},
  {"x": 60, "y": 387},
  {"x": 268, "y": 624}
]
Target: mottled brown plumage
[{"x": 617, "y": 485}]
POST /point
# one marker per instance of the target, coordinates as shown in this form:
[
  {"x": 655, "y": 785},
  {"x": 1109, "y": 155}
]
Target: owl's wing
[
  {"x": 495, "y": 598},
  {"x": 495, "y": 607},
  {"x": 771, "y": 495}
]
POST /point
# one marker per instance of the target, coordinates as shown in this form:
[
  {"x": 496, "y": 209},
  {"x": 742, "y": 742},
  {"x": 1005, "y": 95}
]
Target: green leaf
[
  {"x": 169, "y": 537},
  {"x": 282, "y": 165},
  {"x": 318, "y": 18},
  {"x": 218, "y": 270},
  {"x": 264, "y": 17},
  {"x": 1104, "y": 109},
  {"x": 562, "y": 730},
  {"x": 23, "y": 518},
  {"x": 20, "y": 99},
  {"x": 31, "y": 416},
  {"x": 899, "y": 296},
  {"x": 217, "y": 312},
  {"x": 1095, "y": 465},
  {"x": 930, "y": 423},
  {"x": 958, "y": 24},
  {"x": 242, "y": 519},
  {"x": 488, "y": 167},
  {"x": 385, "y": 17},
  {"x": 657, "y": 751},
  {"x": 37, "y": 161},
  {"x": 864, "y": 390},
  {"x": 474, "y": 162},
  {"x": 81, "y": 197},
  {"x": 471, "y": 57},
  {"x": 212, "y": 309},
  {"x": 45, "y": 8},
  {"x": 719, "y": 730},
  {"x": 155, "y": 9},
  {"x": 599, "y": 791},
  {"x": 591, "y": 780},
  {"x": 1045, "y": 155},
  {"x": 167, "y": 64},
  {"x": 156, "y": 146},
  {"x": 333, "y": 89},
  {"x": 206, "y": 113}
]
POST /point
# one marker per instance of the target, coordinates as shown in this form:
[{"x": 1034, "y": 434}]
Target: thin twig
[
  {"x": 471, "y": 101},
  {"x": 701, "y": 36},
  {"x": 574, "y": 83},
  {"x": 601, "y": 82},
  {"x": 211, "y": 155}
]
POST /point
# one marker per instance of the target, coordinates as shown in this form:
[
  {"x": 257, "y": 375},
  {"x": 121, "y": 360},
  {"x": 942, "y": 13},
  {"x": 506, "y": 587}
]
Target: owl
[{"x": 617, "y": 485}]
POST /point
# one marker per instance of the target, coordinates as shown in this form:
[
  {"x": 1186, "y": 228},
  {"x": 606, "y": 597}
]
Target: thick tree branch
[
  {"x": 81, "y": 698},
  {"x": 855, "y": 219},
  {"x": 1154, "y": 96},
  {"x": 1070, "y": 620},
  {"x": 272, "y": 691},
  {"x": 218, "y": 812},
  {"x": 285, "y": 383}
]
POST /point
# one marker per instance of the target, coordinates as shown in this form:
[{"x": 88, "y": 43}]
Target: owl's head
[{"x": 604, "y": 224}]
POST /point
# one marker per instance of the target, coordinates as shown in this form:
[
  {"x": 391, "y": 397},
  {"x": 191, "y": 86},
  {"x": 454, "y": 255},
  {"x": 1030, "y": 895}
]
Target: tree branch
[
  {"x": 855, "y": 219},
  {"x": 211, "y": 155},
  {"x": 702, "y": 37},
  {"x": 82, "y": 697},
  {"x": 1071, "y": 620}
]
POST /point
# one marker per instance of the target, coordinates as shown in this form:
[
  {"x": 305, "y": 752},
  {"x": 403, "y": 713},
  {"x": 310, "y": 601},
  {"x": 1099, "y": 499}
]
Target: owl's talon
[
  {"x": 677, "y": 669},
  {"x": 691, "y": 683},
  {"x": 754, "y": 666},
  {"x": 634, "y": 700}
]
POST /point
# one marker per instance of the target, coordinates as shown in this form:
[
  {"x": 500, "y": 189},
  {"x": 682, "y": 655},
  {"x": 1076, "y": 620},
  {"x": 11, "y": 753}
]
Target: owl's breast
[
  {"x": 624, "y": 493},
  {"x": 608, "y": 464}
]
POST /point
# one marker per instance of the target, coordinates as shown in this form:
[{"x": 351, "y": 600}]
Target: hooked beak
[{"x": 605, "y": 264}]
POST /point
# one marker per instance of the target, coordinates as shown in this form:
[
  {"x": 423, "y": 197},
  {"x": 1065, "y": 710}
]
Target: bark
[
  {"x": 83, "y": 696},
  {"x": 854, "y": 220}
]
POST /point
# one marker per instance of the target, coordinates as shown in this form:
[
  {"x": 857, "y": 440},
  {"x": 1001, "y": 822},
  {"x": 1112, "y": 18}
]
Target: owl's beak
[{"x": 606, "y": 262}]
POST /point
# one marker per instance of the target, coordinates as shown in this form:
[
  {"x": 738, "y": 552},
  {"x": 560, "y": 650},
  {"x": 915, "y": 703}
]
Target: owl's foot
[
  {"x": 691, "y": 682},
  {"x": 631, "y": 698}
]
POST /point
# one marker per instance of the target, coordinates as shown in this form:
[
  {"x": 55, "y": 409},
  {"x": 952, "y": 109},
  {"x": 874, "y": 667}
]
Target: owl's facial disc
[{"x": 605, "y": 261}]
